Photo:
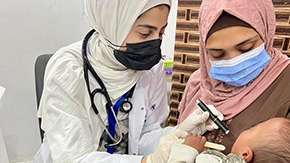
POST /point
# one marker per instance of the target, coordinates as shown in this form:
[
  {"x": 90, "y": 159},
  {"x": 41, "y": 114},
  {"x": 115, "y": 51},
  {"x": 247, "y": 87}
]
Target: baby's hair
[{"x": 275, "y": 146}]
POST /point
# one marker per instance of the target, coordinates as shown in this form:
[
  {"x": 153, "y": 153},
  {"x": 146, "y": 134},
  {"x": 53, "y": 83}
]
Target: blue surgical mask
[{"x": 242, "y": 69}]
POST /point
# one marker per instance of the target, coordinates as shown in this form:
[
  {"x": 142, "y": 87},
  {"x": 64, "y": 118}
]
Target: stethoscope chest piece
[{"x": 126, "y": 106}]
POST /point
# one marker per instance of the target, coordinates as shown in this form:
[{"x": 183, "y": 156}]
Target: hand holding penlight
[{"x": 214, "y": 118}]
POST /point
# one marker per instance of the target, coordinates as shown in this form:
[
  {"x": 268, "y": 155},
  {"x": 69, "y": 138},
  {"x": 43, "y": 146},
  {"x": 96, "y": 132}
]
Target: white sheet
[{"x": 3, "y": 152}]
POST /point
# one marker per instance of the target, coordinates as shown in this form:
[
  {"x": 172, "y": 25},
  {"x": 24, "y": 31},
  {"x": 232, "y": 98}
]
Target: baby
[{"x": 266, "y": 142}]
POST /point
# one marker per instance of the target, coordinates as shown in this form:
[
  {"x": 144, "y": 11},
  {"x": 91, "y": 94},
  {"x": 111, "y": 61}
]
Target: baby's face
[{"x": 250, "y": 136}]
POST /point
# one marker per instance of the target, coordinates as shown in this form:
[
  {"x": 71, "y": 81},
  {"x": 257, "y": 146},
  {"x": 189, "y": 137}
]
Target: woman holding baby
[{"x": 240, "y": 74}]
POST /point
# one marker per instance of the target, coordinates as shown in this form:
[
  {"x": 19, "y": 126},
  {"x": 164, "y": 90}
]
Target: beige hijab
[
  {"x": 113, "y": 20},
  {"x": 228, "y": 99}
]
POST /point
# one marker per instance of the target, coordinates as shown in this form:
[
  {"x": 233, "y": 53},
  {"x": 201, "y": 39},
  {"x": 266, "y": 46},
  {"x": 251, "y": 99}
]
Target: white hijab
[{"x": 113, "y": 20}]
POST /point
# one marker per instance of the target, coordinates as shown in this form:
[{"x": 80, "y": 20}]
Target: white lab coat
[{"x": 73, "y": 132}]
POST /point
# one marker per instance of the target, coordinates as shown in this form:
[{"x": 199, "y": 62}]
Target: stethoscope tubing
[{"x": 88, "y": 67}]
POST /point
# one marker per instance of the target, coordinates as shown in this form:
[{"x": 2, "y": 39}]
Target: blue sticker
[{"x": 153, "y": 107}]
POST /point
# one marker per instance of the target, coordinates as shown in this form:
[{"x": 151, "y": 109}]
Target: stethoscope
[{"x": 125, "y": 106}]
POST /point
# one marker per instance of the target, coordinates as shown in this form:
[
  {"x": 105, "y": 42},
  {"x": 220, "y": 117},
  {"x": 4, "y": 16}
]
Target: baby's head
[{"x": 266, "y": 142}]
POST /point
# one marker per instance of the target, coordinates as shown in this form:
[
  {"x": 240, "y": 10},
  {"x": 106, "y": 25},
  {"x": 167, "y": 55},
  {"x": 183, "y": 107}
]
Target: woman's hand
[
  {"x": 198, "y": 122},
  {"x": 143, "y": 160}
]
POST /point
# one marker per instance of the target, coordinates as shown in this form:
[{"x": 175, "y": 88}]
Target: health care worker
[{"x": 103, "y": 102}]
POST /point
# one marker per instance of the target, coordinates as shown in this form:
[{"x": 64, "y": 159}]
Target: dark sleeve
[{"x": 288, "y": 114}]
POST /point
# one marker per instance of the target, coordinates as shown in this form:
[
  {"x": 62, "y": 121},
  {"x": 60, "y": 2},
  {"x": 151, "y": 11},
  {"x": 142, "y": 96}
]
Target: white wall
[
  {"x": 167, "y": 46},
  {"x": 29, "y": 28}
]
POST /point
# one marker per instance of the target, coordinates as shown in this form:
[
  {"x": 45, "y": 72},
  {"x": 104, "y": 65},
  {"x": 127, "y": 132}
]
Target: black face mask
[{"x": 140, "y": 56}]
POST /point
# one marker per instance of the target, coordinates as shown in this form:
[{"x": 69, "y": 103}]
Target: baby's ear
[{"x": 247, "y": 154}]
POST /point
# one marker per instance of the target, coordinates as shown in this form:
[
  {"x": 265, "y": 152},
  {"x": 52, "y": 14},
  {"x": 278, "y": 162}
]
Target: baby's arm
[
  {"x": 188, "y": 150},
  {"x": 195, "y": 141}
]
